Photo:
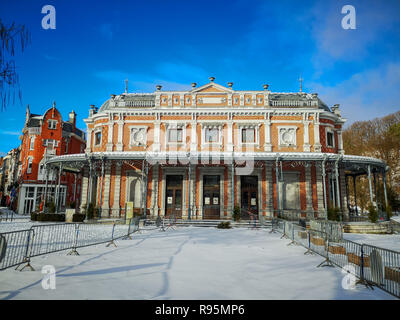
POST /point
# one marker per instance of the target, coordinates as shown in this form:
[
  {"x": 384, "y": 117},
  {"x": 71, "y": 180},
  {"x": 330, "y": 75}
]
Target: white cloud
[
  {"x": 366, "y": 95},
  {"x": 11, "y": 133}
]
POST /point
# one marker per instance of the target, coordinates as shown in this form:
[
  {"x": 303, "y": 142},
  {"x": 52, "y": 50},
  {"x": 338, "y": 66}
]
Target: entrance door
[
  {"x": 211, "y": 197},
  {"x": 173, "y": 199},
  {"x": 249, "y": 196}
]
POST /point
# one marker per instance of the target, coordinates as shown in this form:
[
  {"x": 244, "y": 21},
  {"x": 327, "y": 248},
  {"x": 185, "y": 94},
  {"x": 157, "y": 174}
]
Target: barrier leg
[
  {"x": 112, "y": 238},
  {"x": 326, "y": 262},
  {"x": 27, "y": 259},
  {"x": 309, "y": 251},
  {"x": 73, "y": 252}
]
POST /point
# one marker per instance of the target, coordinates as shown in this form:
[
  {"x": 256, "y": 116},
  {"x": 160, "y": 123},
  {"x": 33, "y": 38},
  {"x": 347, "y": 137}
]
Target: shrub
[
  {"x": 53, "y": 217},
  {"x": 34, "y": 216},
  {"x": 334, "y": 214},
  {"x": 224, "y": 225},
  {"x": 51, "y": 206},
  {"x": 91, "y": 211},
  {"x": 236, "y": 213},
  {"x": 372, "y": 214},
  {"x": 72, "y": 205},
  {"x": 78, "y": 217}
]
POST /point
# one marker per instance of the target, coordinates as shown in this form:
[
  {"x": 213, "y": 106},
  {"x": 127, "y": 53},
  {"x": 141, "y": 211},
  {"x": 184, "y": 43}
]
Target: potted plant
[{"x": 236, "y": 213}]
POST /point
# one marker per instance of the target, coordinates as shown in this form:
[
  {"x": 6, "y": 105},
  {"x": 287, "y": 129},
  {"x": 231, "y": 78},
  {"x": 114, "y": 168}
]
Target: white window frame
[
  {"x": 282, "y": 130},
  {"x": 132, "y": 131},
  {"x": 174, "y": 126},
  {"x": 32, "y": 144},
  {"x": 256, "y": 128},
  {"x": 204, "y": 127},
  {"x": 330, "y": 130},
  {"x": 95, "y": 132},
  {"x": 29, "y": 165},
  {"x": 52, "y": 124}
]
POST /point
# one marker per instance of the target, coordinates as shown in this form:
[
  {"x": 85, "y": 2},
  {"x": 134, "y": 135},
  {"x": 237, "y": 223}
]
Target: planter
[
  {"x": 318, "y": 241},
  {"x": 355, "y": 259},
  {"x": 337, "y": 250},
  {"x": 392, "y": 274},
  {"x": 302, "y": 234},
  {"x": 69, "y": 213}
]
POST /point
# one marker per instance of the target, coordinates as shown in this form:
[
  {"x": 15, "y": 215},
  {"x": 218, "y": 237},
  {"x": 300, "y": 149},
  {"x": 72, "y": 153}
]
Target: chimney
[{"x": 72, "y": 117}]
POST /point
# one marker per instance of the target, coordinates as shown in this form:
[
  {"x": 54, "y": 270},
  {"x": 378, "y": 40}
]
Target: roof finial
[
  {"x": 126, "y": 85},
  {"x": 301, "y": 80},
  {"x": 54, "y": 106}
]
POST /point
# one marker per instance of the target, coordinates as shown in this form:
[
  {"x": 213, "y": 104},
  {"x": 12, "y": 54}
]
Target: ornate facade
[{"x": 199, "y": 153}]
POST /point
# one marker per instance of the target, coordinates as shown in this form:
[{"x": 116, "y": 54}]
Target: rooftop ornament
[
  {"x": 266, "y": 86},
  {"x": 230, "y": 84},
  {"x": 158, "y": 87},
  {"x": 211, "y": 79},
  {"x": 194, "y": 84}
]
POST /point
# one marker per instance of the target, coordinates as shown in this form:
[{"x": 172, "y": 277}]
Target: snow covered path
[{"x": 187, "y": 263}]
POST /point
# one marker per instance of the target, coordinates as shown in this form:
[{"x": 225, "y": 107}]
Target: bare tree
[{"x": 12, "y": 37}]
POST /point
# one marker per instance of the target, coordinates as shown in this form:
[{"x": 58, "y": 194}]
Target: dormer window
[{"x": 52, "y": 124}]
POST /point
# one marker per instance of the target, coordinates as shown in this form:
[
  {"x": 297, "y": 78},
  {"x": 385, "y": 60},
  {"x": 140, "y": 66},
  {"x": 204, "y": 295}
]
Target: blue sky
[{"x": 98, "y": 44}]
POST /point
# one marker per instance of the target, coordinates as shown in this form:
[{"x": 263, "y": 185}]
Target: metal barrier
[
  {"x": 382, "y": 268},
  {"x": 17, "y": 247},
  {"x": 370, "y": 264}
]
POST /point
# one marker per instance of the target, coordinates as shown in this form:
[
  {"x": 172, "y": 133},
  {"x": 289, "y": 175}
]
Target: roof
[{"x": 276, "y": 99}]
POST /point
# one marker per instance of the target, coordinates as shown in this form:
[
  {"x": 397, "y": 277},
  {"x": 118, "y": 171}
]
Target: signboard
[
  {"x": 169, "y": 200},
  {"x": 253, "y": 202},
  {"x": 129, "y": 212},
  {"x": 215, "y": 200},
  {"x": 206, "y": 200}
]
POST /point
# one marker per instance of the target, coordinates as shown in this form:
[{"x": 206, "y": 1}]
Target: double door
[
  {"x": 173, "y": 199},
  {"x": 249, "y": 196},
  {"x": 211, "y": 197}
]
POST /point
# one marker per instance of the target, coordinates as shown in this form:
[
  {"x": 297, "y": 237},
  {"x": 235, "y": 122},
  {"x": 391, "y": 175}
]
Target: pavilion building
[{"x": 200, "y": 153}]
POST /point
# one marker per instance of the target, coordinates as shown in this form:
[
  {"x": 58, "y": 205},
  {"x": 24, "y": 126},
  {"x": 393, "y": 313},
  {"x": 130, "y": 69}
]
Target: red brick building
[{"x": 43, "y": 137}]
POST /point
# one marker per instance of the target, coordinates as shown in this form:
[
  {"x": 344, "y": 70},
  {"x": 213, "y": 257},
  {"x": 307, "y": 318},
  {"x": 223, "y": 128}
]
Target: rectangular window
[
  {"x": 329, "y": 138},
  {"x": 32, "y": 144},
  {"x": 248, "y": 135},
  {"x": 29, "y": 170},
  {"x": 52, "y": 124},
  {"x": 97, "y": 138},
  {"x": 212, "y": 135},
  {"x": 175, "y": 135}
]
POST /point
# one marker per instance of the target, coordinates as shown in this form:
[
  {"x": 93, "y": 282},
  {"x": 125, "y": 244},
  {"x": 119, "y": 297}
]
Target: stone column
[
  {"x": 230, "y": 136},
  {"x": 269, "y": 189},
  {"x": 120, "y": 134},
  {"x": 309, "y": 201},
  {"x": 306, "y": 145},
  {"x": 343, "y": 195},
  {"x": 267, "y": 128},
  {"x": 89, "y": 141},
  {"x": 107, "y": 182},
  {"x": 84, "y": 190},
  {"x": 110, "y": 136},
  {"x": 320, "y": 190},
  {"x": 154, "y": 191},
  {"x": 117, "y": 190},
  {"x": 317, "y": 143}
]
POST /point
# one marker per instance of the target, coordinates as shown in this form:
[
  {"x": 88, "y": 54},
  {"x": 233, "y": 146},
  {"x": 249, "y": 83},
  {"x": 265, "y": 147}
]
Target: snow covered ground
[
  {"x": 186, "y": 263},
  {"x": 387, "y": 241}
]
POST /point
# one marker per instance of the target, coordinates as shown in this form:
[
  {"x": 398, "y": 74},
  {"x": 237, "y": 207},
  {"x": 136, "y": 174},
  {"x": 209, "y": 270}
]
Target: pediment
[{"x": 212, "y": 87}]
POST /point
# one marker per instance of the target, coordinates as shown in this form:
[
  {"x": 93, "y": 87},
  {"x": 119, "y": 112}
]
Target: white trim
[{"x": 287, "y": 129}]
